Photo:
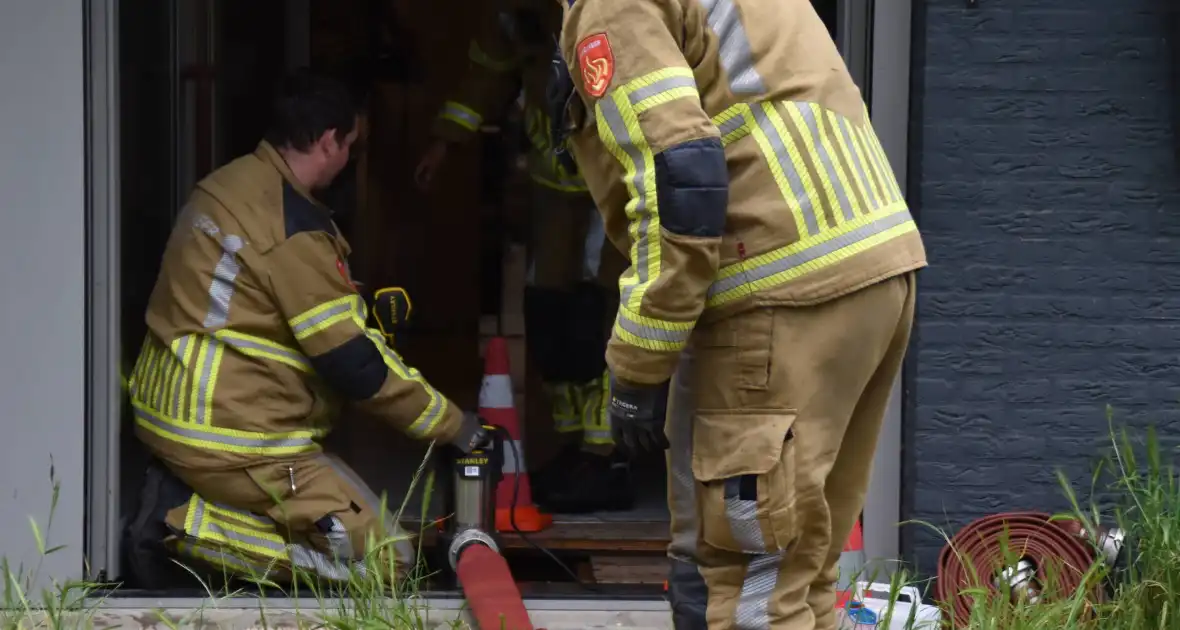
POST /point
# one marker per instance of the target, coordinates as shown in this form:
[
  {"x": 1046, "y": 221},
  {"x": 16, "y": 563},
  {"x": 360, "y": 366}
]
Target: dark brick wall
[{"x": 1044, "y": 176}]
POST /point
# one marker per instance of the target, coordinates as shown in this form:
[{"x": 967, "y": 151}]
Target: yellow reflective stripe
[
  {"x": 819, "y": 187},
  {"x": 793, "y": 160},
  {"x": 659, "y": 87},
  {"x": 203, "y": 379},
  {"x": 202, "y": 523},
  {"x": 779, "y": 160},
  {"x": 836, "y": 181},
  {"x": 461, "y": 115},
  {"x": 877, "y": 184},
  {"x": 731, "y": 124},
  {"x": 242, "y": 517},
  {"x": 476, "y": 54},
  {"x": 619, "y": 130},
  {"x": 323, "y": 317},
  {"x": 184, "y": 349},
  {"x": 810, "y": 254},
  {"x": 886, "y": 169},
  {"x": 260, "y": 348},
  {"x": 852, "y": 174},
  {"x": 435, "y": 410},
  {"x": 651, "y": 333},
  {"x": 225, "y": 440}
]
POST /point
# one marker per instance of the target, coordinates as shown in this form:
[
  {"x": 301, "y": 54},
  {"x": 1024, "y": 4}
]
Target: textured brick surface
[{"x": 1044, "y": 178}]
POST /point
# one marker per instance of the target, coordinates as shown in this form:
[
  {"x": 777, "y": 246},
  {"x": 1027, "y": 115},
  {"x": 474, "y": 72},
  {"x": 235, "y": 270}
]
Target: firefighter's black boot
[
  {"x": 148, "y": 559},
  {"x": 591, "y": 483},
  {"x": 553, "y": 473}
]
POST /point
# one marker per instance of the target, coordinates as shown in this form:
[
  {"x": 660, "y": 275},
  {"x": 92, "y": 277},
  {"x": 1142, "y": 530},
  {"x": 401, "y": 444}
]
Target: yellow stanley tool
[{"x": 391, "y": 309}]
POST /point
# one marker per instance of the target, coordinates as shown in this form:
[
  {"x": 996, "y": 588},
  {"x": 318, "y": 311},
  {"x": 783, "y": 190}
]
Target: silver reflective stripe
[
  {"x": 731, "y": 125},
  {"x": 734, "y": 47},
  {"x": 148, "y": 374},
  {"x": 778, "y": 145},
  {"x": 210, "y": 350},
  {"x": 743, "y": 518},
  {"x": 323, "y": 316},
  {"x": 259, "y": 442},
  {"x": 300, "y": 556},
  {"x": 817, "y": 137},
  {"x": 659, "y": 87},
  {"x": 865, "y": 184},
  {"x": 181, "y": 349},
  {"x": 246, "y": 346},
  {"x": 643, "y": 331},
  {"x": 614, "y": 120},
  {"x": 800, "y": 258},
  {"x": 753, "y": 604},
  {"x": 221, "y": 289}
]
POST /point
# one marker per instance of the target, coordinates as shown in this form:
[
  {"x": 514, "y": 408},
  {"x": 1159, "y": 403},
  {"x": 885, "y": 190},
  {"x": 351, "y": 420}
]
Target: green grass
[{"x": 1137, "y": 482}]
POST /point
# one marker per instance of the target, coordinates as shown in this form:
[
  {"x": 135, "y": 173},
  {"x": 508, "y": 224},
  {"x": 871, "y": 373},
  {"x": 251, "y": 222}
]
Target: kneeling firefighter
[
  {"x": 256, "y": 331},
  {"x": 572, "y": 270},
  {"x": 772, "y": 272}
]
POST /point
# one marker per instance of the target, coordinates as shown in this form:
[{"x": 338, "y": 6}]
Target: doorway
[{"x": 192, "y": 76}]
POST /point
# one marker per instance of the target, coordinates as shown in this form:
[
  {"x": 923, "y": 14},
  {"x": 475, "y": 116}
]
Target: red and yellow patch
[{"x": 597, "y": 63}]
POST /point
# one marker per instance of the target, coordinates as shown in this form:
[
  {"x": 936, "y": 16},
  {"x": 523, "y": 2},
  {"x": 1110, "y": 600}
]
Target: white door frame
[
  {"x": 888, "y": 90},
  {"x": 103, "y": 388}
]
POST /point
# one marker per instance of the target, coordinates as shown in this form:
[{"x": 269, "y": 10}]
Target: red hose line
[
  {"x": 490, "y": 590},
  {"x": 980, "y": 550}
]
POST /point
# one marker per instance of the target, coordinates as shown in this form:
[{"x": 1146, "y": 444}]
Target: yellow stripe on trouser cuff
[
  {"x": 226, "y": 440},
  {"x": 435, "y": 410},
  {"x": 595, "y": 415},
  {"x": 324, "y": 316},
  {"x": 650, "y": 333},
  {"x": 564, "y": 403},
  {"x": 461, "y": 115},
  {"x": 618, "y": 126},
  {"x": 232, "y": 530}
]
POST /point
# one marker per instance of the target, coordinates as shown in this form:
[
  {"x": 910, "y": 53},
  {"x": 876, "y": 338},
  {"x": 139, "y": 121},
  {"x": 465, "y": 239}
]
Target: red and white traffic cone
[
  {"x": 851, "y": 566},
  {"x": 515, "y": 510}
]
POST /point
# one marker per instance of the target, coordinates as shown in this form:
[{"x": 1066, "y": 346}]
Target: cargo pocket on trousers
[
  {"x": 275, "y": 487},
  {"x": 744, "y": 465}
]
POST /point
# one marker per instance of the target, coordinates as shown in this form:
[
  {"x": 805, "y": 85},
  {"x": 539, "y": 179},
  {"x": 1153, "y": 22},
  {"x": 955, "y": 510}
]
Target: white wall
[{"x": 42, "y": 278}]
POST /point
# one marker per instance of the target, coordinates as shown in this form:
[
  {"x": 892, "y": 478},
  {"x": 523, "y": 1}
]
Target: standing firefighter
[
  {"x": 255, "y": 331},
  {"x": 772, "y": 259},
  {"x": 570, "y": 270}
]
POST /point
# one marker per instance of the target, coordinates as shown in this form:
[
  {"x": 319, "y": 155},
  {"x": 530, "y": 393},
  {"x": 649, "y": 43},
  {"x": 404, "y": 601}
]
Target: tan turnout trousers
[
  {"x": 314, "y": 517},
  {"x": 773, "y": 421}
]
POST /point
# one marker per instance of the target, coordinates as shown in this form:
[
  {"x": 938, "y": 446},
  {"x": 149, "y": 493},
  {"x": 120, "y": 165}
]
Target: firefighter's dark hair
[{"x": 306, "y": 105}]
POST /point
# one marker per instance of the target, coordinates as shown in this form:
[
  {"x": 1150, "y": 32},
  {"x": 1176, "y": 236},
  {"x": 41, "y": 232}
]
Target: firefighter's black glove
[
  {"x": 472, "y": 435},
  {"x": 634, "y": 422}
]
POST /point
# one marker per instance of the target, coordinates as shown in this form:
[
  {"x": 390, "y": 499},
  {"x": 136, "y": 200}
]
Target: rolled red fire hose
[
  {"x": 987, "y": 546},
  {"x": 491, "y": 592}
]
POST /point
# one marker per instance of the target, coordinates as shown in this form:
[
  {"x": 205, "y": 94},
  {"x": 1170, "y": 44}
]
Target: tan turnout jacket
[
  {"x": 731, "y": 155},
  {"x": 256, "y": 331},
  {"x": 512, "y": 48}
]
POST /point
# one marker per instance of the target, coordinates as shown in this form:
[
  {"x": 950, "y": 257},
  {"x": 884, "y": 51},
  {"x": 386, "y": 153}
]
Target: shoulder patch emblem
[{"x": 597, "y": 64}]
